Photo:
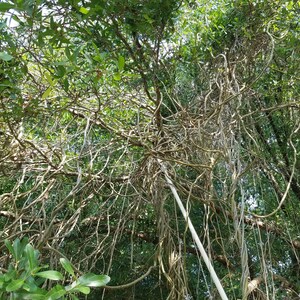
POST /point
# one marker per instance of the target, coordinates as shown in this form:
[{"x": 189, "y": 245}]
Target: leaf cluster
[{"x": 25, "y": 278}]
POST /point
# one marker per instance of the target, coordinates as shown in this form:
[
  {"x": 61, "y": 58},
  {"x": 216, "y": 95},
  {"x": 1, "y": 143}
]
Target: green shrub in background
[{"x": 25, "y": 277}]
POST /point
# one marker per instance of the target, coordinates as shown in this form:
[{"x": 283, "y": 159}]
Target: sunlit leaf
[
  {"x": 82, "y": 289},
  {"x": 5, "y": 56},
  {"x": 67, "y": 266},
  {"x": 32, "y": 256},
  {"x": 117, "y": 76},
  {"x": 53, "y": 275},
  {"x": 84, "y": 10},
  {"x": 47, "y": 92},
  {"x": 93, "y": 280}
]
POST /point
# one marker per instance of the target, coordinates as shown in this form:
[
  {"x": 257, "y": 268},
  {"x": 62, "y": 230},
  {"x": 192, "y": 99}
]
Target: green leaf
[
  {"x": 55, "y": 293},
  {"x": 47, "y": 92},
  {"x": 67, "y": 266},
  {"x": 68, "y": 53},
  {"x": 53, "y": 275},
  {"x": 60, "y": 71},
  {"x": 117, "y": 76},
  {"x": 2, "y": 280},
  {"x": 93, "y": 280},
  {"x": 121, "y": 63},
  {"x": 5, "y": 56},
  {"x": 32, "y": 256},
  {"x": 82, "y": 289},
  {"x": 15, "y": 285},
  {"x": 37, "y": 295},
  {"x": 10, "y": 275},
  {"x": 30, "y": 286},
  {"x": 97, "y": 58},
  {"x": 34, "y": 296},
  {"x": 84, "y": 10},
  {"x": 37, "y": 269},
  {"x": 66, "y": 84},
  {"x": 53, "y": 25},
  {"x": 6, "y": 6},
  {"x": 10, "y": 248},
  {"x": 77, "y": 287},
  {"x": 17, "y": 248},
  {"x": 71, "y": 286}
]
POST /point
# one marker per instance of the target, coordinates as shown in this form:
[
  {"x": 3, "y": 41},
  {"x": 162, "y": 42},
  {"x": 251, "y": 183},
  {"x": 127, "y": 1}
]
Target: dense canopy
[{"x": 98, "y": 97}]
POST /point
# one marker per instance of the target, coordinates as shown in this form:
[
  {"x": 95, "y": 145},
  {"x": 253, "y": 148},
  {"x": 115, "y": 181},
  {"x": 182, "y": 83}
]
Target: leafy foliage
[{"x": 24, "y": 279}]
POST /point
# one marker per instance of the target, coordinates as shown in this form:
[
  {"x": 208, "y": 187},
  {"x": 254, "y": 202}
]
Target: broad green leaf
[
  {"x": 47, "y": 92},
  {"x": 17, "y": 248},
  {"x": 2, "y": 280},
  {"x": 37, "y": 269},
  {"x": 5, "y": 56},
  {"x": 117, "y": 76},
  {"x": 77, "y": 287},
  {"x": 84, "y": 10},
  {"x": 6, "y": 6},
  {"x": 82, "y": 289},
  {"x": 37, "y": 295},
  {"x": 10, "y": 248},
  {"x": 55, "y": 293},
  {"x": 97, "y": 58},
  {"x": 67, "y": 266},
  {"x": 15, "y": 285},
  {"x": 53, "y": 275},
  {"x": 121, "y": 63},
  {"x": 72, "y": 286},
  {"x": 93, "y": 280},
  {"x": 32, "y": 256},
  {"x": 11, "y": 274}
]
